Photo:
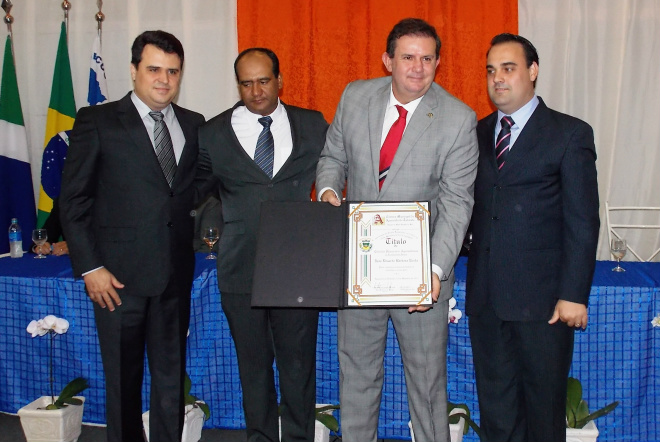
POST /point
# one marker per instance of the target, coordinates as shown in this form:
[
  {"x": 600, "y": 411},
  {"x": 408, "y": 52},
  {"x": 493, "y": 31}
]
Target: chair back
[{"x": 617, "y": 229}]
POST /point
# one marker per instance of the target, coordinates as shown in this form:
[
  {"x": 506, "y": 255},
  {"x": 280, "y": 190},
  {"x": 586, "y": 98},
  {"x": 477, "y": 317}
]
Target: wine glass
[
  {"x": 39, "y": 237},
  {"x": 618, "y": 249},
  {"x": 210, "y": 238}
]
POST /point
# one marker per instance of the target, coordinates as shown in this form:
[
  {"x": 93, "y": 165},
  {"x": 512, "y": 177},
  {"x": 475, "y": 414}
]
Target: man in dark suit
[
  {"x": 127, "y": 193},
  {"x": 534, "y": 228},
  {"x": 263, "y": 150},
  {"x": 436, "y": 161}
]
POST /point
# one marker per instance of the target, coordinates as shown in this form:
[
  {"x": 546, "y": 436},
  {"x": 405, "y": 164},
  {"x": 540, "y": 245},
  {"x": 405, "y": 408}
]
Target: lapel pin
[{"x": 430, "y": 115}]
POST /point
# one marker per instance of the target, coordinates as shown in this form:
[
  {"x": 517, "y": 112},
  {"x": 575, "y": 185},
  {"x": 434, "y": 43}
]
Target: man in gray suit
[{"x": 436, "y": 161}]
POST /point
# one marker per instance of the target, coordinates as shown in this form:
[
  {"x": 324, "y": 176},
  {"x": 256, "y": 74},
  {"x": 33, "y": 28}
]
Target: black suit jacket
[
  {"x": 117, "y": 209},
  {"x": 535, "y": 222},
  {"x": 243, "y": 186}
]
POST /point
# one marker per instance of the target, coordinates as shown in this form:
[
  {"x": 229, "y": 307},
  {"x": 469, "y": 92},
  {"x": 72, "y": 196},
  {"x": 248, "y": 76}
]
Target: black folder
[{"x": 300, "y": 260}]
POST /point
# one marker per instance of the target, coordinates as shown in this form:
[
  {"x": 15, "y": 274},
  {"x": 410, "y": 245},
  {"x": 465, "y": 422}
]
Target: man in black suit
[
  {"x": 127, "y": 193},
  {"x": 263, "y": 150},
  {"x": 534, "y": 228}
]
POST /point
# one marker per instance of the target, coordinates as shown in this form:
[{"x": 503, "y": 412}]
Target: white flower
[
  {"x": 454, "y": 314},
  {"x": 35, "y": 329},
  {"x": 48, "y": 324},
  {"x": 656, "y": 321},
  {"x": 58, "y": 325}
]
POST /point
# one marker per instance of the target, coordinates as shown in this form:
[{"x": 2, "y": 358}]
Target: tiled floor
[{"x": 11, "y": 431}]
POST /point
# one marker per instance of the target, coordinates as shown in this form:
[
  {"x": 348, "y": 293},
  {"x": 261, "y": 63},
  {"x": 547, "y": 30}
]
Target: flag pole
[
  {"x": 66, "y": 6},
  {"x": 100, "y": 16},
  {"x": 7, "y": 5}
]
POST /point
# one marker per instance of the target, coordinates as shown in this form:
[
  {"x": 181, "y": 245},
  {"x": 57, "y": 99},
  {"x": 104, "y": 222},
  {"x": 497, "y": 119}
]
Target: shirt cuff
[
  {"x": 438, "y": 271},
  {"x": 93, "y": 270},
  {"x": 318, "y": 197}
]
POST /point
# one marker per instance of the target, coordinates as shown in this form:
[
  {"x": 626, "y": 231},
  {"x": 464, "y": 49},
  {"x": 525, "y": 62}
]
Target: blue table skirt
[{"x": 617, "y": 358}]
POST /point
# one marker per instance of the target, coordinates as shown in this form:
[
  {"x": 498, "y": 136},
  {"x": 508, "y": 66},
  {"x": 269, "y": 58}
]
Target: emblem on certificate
[{"x": 388, "y": 254}]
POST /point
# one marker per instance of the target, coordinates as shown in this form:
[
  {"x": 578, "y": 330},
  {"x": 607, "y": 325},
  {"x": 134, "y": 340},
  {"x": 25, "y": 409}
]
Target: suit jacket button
[
  {"x": 170, "y": 224},
  {"x": 270, "y": 186},
  {"x": 171, "y": 193},
  {"x": 495, "y": 218},
  {"x": 488, "y": 250}
]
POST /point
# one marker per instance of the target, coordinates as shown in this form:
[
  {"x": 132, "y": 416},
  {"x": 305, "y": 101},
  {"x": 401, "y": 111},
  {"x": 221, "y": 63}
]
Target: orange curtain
[{"x": 324, "y": 44}]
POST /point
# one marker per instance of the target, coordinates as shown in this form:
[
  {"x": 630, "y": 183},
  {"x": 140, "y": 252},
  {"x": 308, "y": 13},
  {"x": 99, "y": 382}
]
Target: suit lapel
[
  {"x": 487, "y": 140},
  {"x": 229, "y": 140},
  {"x": 296, "y": 138},
  {"x": 188, "y": 155},
  {"x": 377, "y": 105},
  {"x": 130, "y": 118},
  {"x": 427, "y": 111},
  {"x": 527, "y": 140}
]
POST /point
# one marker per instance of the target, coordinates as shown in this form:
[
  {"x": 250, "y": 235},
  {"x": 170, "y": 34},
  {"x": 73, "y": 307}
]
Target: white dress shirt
[
  {"x": 520, "y": 119},
  {"x": 247, "y": 129},
  {"x": 176, "y": 133},
  {"x": 392, "y": 114}
]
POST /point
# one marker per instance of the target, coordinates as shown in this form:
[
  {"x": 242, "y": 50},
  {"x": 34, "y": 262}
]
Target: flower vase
[
  {"x": 321, "y": 432},
  {"x": 60, "y": 425},
  {"x": 589, "y": 433},
  {"x": 193, "y": 421}
]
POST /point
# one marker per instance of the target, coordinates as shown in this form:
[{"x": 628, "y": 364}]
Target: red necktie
[{"x": 391, "y": 144}]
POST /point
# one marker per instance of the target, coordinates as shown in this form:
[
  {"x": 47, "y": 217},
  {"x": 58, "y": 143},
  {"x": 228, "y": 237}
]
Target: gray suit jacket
[{"x": 436, "y": 160}]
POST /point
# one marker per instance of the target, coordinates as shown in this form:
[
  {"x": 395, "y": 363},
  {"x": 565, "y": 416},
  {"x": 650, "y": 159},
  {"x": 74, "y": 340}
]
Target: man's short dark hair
[
  {"x": 270, "y": 54},
  {"x": 412, "y": 26},
  {"x": 164, "y": 41},
  {"x": 530, "y": 51}
]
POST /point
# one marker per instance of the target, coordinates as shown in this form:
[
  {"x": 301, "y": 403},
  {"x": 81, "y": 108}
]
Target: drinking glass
[
  {"x": 39, "y": 237},
  {"x": 210, "y": 237},
  {"x": 618, "y": 248}
]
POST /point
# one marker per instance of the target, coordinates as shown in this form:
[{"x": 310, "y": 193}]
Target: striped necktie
[
  {"x": 264, "y": 154},
  {"x": 163, "y": 147},
  {"x": 503, "y": 140}
]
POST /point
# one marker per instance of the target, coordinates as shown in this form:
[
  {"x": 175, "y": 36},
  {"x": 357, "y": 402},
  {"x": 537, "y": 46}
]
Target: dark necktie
[
  {"x": 163, "y": 147},
  {"x": 264, "y": 154},
  {"x": 390, "y": 145},
  {"x": 503, "y": 141}
]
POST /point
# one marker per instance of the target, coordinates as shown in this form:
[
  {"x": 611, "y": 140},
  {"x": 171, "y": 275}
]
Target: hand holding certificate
[{"x": 388, "y": 254}]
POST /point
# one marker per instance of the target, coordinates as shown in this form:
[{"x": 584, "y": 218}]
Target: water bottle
[{"x": 15, "y": 239}]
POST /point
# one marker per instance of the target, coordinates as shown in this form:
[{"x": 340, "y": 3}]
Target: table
[{"x": 617, "y": 358}]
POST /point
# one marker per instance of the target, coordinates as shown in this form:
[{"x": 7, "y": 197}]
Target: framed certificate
[
  {"x": 358, "y": 255},
  {"x": 388, "y": 254}
]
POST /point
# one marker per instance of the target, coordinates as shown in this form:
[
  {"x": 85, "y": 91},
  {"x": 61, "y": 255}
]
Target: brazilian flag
[{"x": 59, "y": 122}]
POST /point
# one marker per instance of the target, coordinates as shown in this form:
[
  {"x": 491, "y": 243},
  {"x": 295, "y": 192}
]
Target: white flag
[{"x": 98, "y": 88}]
